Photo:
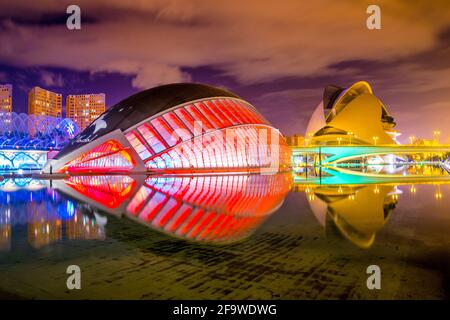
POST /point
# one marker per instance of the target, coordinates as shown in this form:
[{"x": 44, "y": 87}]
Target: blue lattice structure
[
  {"x": 31, "y": 132},
  {"x": 25, "y": 139}
]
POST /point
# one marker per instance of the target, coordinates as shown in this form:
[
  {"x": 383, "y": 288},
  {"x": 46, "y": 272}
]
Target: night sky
[{"x": 279, "y": 55}]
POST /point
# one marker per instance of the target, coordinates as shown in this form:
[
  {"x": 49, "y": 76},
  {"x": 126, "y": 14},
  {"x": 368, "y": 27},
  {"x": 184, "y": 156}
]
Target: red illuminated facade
[
  {"x": 217, "y": 132},
  {"x": 109, "y": 155}
]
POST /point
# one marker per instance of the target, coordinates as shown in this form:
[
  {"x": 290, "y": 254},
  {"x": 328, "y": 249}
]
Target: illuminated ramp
[{"x": 335, "y": 154}]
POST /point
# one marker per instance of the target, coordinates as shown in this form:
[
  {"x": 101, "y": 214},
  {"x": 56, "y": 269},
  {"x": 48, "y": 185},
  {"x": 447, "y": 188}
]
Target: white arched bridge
[{"x": 330, "y": 155}]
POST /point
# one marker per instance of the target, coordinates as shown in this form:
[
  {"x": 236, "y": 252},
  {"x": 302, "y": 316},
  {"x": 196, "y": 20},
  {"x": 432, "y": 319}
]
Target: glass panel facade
[
  {"x": 152, "y": 138},
  {"x": 233, "y": 136},
  {"x": 180, "y": 129},
  {"x": 165, "y": 131},
  {"x": 109, "y": 155},
  {"x": 143, "y": 152},
  {"x": 243, "y": 147},
  {"x": 202, "y": 121}
]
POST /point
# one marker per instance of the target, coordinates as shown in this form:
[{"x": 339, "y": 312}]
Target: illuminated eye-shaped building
[
  {"x": 353, "y": 115},
  {"x": 177, "y": 127}
]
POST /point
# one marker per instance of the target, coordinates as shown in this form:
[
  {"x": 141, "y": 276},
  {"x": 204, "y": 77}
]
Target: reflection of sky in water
[{"x": 267, "y": 219}]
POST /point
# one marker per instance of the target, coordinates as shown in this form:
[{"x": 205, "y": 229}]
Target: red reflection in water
[
  {"x": 109, "y": 191},
  {"x": 202, "y": 208},
  {"x": 208, "y": 208}
]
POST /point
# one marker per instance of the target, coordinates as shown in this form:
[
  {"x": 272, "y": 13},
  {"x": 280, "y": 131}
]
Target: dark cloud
[{"x": 278, "y": 55}]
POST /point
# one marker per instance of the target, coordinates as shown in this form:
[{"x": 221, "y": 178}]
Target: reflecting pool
[{"x": 305, "y": 235}]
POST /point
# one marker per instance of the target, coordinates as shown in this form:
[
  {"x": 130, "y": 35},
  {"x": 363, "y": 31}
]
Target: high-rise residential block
[
  {"x": 44, "y": 103},
  {"x": 85, "y": 108},
  {"x": 5, "y": 98}
]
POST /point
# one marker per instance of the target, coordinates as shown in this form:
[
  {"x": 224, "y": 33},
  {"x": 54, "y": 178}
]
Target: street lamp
[
  {"x": 412, "y": 139},
  {"x": 350, "y": 133},
  {"x": 375, "y": 139},
  {"x": 339, "y": 141},
  {"x": 436, "y": 134}
]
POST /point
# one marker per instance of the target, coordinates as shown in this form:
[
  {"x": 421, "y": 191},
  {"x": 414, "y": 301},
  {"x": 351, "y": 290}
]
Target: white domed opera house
[
  {"x": 351, "y": 116},
  {"x": 176, "y": 128}
]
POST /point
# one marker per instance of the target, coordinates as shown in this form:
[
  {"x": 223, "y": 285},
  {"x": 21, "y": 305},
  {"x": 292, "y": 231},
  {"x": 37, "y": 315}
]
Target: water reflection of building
[
  {"x": 48, "y": 216},
  {"x": 202, "y": 208},
  {"x": 5, "y": 229},
  {"x": 355, "y": 212},
  {"x": 110, "y": 191},
  {"x": 84, "y": 227},
  {"x": 44, "y": 226}
]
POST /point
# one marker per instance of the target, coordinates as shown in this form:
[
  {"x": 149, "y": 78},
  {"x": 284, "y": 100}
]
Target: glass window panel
[
  {"x": 152, "y": 139},
  {"x": 243, "y": 111},
  {"x": 151, "y": 164},
  {"x": 165, "y": 131},
  {"x": 202, "y": 224},
  {"x": 222, "y": 106},
  {"x": 184, "y": 158},
  {"x": 198, "y": 155},
  {"x": 186, "y": 118},
  {"x": 137, "y": 144},
  {"x": 209, "y": 114},
  {"x": 189, "y": 223},
  {"x": 180, "y": 129},
  {"x": 211, "y": 155},
  {"x": 177, "y": 162},
  {"x": 251, "y": 114},
  {"x": 160, "y": 163},
  {"x": 231, "y": 106},
  {"x": 167, "y": 160},
  {"x": 199, "y": 117},
  {"x": 219, "y": 114}
]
